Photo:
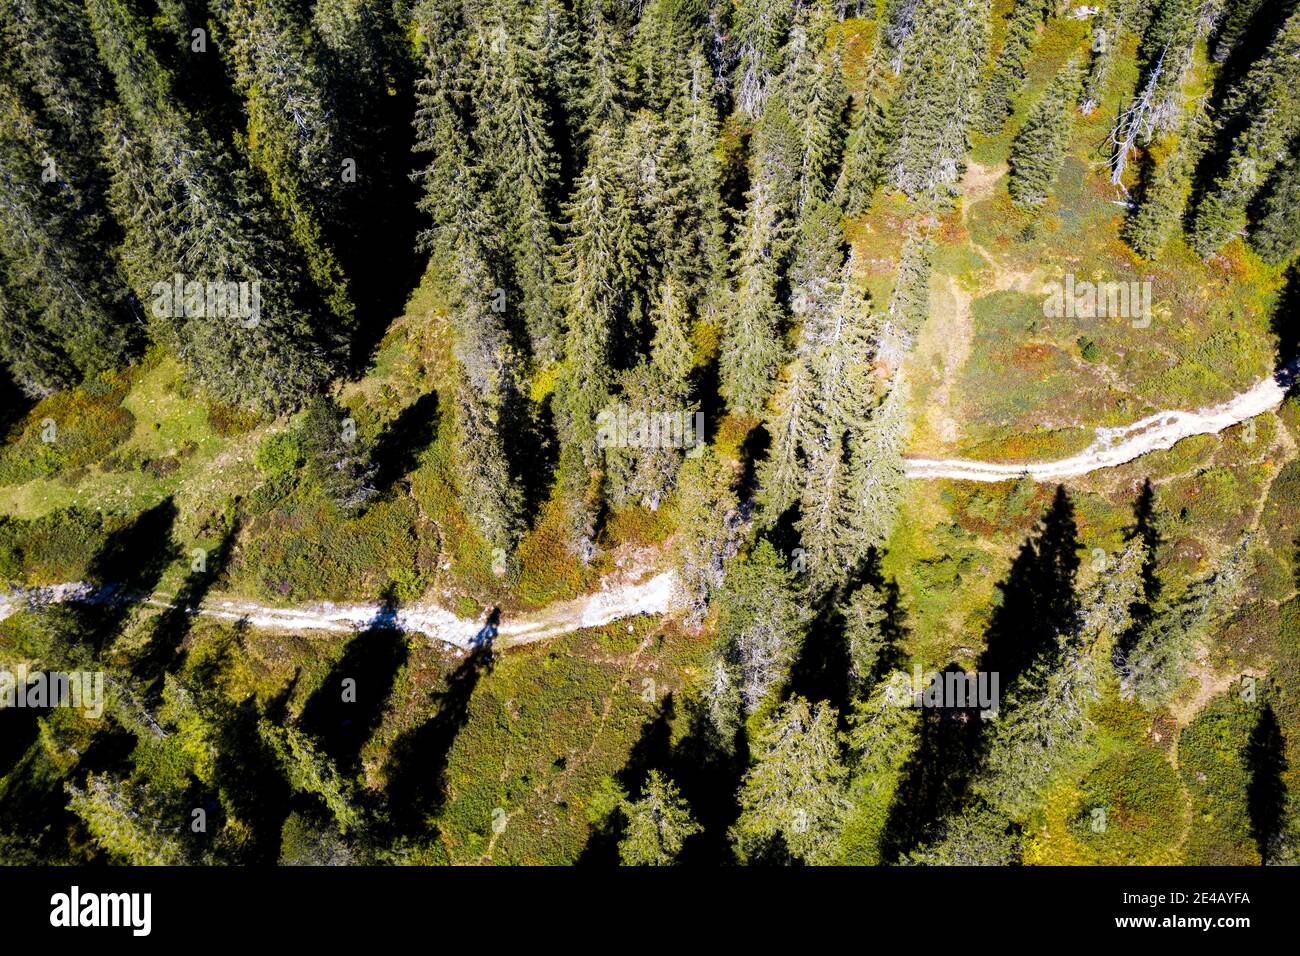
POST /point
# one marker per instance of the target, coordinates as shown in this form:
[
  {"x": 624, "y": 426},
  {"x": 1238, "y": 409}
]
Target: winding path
[
  {"x": 1116, "y": 446},
  {"x": 652, "y": 596},
  {"x": 1113, "y": 446}
]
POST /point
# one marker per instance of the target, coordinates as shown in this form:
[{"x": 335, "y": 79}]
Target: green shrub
[{"x": 279, "y": 454}]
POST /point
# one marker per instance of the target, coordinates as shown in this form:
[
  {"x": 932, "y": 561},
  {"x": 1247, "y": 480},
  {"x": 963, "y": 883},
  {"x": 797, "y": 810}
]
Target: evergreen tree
[
  {"x": 606, "y": 67},
  {"x": 760, "y": 28},
  {"x": 1009, "y": 67},
  {"x": 884, "y": 733},
  {"x": 657, "y": 825},
  {"x": 813, "y": 83},
  {"x": 760, "y": 621},
  {"x": 796, "y": 789},
  {"x": 453, "y": 190},
  {"x": 873, "y": 485},
  {"x": 369, "y": 67},
  {"x": 513, "y": 132},
  {"x": 711, "y": 527},
  {"x": 1159, "y": 211},
  {"x": 1239, "y": 19},
  {"x": 129, "y": 821},
  {"x": 978, "y": 836},
  {"x": 1276, "y": 237},
  {"x": 1105, "y": 36},
  {"x": 865, "y": 151},
  {"x": 336, "y": 456},
  {"x": 870, "y": 634},
  {"x": 1044, "y": 722},
  {"x": 1265, "y": 110},
  {"x": 308, "y": 771},
  {"x": 751, "y": 345},
  {"x": 599, "y": 264},
  {"x": 292, "y": 137},
  {"x": 1038, "y": 150},
  {"x": 187, "y": 210},
  {"x": 938, "y": 96},
  {"x": 1153, "y": 672},
  {"x": 488, "y": 400},
  {"x": 54, "y": 225},
  {"x": 658, "y": 386}
]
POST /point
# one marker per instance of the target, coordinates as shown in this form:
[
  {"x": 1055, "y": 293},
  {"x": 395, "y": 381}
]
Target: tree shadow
[
  {"x": 652, "y": 751},
  {"x": 708, "y": 772},
  {"x": 1038, "y": 602},
  {"x": 348, "y": 706},
  {"x": 936, "y": 780},
  {"x": 1285, "y": 325},
  {"x": 1142, "y": 610},
  {"x": 1266, "y": 791},
  {"x": 822, "y": 670},
  {"x": 174, "y": 623},
  {"x": 1038, "y": 599},
  {"x": 417, "y": 762},
  {"x": 398, "y": 449},
  {"x": 19, "y": 727},
  {"x": 124, "y": 574},
  {"x": 14, "y": 403}
]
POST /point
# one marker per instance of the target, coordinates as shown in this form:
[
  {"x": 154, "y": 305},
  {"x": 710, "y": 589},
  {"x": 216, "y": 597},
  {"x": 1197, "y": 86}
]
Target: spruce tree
[
  {"x": 711, "y": 528},
  {"x": 54, "y": 224},
  {"x": 1153, "y": 672},
  {"x": 292, "y": 137},
  {"x": 657, "y": 386},
  {"x": 1276, "y": 237},
  {"x": 187, "y": 209},
  {"x": 600, "y": 260},
  {"x": 337, "y": 457},
  {"x": 1264, "y": 111},
  {"x": 865, "y": 152},
  {"x": 938, "y": 96},
  {"x": 751, "y": 345},
  {"x": 1105, "y": 36},
  {"x": 1044, "y": 721},
  {"x": 796, "y": 790},
  {"x": 1038, "y": 150},
  {"x": 658, "y": 824},
  {"x": 759, "y": 28},
  {"x": 884, "y": 733},
  {"x": 760, "y": 623},
  {"x": 1159, "y": 211},
  {"x": 1009, "y": 67},
  {"x": 513, "y": 136}
]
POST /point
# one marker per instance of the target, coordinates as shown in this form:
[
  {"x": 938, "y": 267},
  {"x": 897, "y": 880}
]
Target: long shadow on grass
[
  {"x": 1285, "y": 324},
  {"x": 1266, "y": 792},
  {"x": 348, "y": 706},
  {"x": 1038, "y": 599},
  {"x": 653, "y": 751},
  {"x": 173, "y": 624},
  {"x": 398, "y": 449},
  {"x": 126, "y": 570},
  {"x": 1038, "y": 602},
  {"x": 417, "y": 763},
  {"x": 706, "y": 769}
]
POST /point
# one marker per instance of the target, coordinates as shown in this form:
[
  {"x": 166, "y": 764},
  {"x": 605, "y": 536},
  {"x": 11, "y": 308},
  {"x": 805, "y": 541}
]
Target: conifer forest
[{"x": 706, "y": 433}]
